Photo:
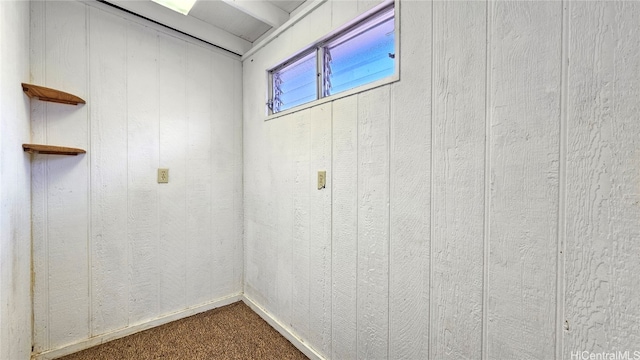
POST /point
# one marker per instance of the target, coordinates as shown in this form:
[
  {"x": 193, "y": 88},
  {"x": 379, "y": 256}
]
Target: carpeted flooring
[{"x": 230, "y": 332}]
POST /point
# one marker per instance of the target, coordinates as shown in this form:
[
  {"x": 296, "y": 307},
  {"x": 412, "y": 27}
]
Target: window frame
[
  {"x": 373, "y": 16},
  {"x": 285, "y": 64}
]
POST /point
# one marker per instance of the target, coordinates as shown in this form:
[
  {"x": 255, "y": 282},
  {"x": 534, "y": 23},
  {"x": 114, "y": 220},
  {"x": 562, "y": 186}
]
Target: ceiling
[{"x": 230, "y": 24}]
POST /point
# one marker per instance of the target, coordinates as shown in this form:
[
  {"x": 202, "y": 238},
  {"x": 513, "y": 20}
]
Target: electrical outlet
[
  {"x": 322, "y": 179},
  {"x": 163, "y": 176}
]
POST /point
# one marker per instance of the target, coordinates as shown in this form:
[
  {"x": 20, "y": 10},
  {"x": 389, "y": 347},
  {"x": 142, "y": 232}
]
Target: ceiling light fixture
[{"x": 181, "y": 6}]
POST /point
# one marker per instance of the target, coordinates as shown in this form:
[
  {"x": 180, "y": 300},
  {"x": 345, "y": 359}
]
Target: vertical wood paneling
[
  {"x": 40, "y": 251},
  {"x": 366, "y": 5},
  {"x": 223, "y": 187},
  {"x": 238, "y": 202},
  {"x": 373, "y": 224},
  {"x": 252, "y": 163},
  {"x": 495, "y": 198},
  {"x": 172, "y": 204},
  {"x": 257, "y": 185},
  {"x": 259, "y": 278},
  {"x": 142, "y": 152},
  {"x": 344, "y": 212},
  {"x": 458, "y": 179},
  {"x": 15, "y": 184},
  {"x": 314, "y": 27},
  {"x": 108, "y": 153},
  {"x": 280, "y": 144},
  {"x": 343, "y": 11},
  {"x": 320, "y": 231},
  {"x": 270, "y": 224},
  {"x": 40, "y": 245},
  {"x": 67, "y": 193},
  {"x": 410, "y": 189},
  {"x": 524, "y": 96},
  {"x": 199, "y": 173},
  {"x": 302, "y": 185},
  {"x": 602, "y": 307},
  {"x": 385, "y": 294},
  {"x": 110, "y": 245}
]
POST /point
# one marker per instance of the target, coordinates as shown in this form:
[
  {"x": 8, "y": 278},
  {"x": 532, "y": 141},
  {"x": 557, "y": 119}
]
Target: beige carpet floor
[{"x": 230, "y": 332}]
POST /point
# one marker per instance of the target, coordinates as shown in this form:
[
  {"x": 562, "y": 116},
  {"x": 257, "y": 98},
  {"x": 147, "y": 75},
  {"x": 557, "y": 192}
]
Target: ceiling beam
[
  {"x": 261, "y": 10},
  {"x": 187, "y": 24}
]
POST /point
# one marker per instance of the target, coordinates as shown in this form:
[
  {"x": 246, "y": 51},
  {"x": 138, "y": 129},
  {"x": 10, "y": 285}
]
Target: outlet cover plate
[
  {"x": 163, "y": 176},
  {"x": 322, "y": 179}
]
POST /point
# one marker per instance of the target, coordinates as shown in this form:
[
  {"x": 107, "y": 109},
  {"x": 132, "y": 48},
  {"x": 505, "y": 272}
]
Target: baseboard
[
  {"x": 100, "y": 339},
  {"x": 282, "y": 329}
]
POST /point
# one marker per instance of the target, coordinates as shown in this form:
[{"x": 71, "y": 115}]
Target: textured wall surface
[
  {"x": 112, "y": 248},
  {"x": 485, "y": 206},
  {"x": 15, "y": 168}
]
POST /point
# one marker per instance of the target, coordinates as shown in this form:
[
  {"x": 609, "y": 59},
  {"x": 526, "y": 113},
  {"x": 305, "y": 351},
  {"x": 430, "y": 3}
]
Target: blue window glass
[
  {"x": 295, "y": 84},
  {"x": 361, "y": 56}
]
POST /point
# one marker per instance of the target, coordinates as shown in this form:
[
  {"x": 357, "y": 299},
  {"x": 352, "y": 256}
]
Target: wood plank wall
[
  {"x": 111, "y": 247},
  {"x": 601, "y": 306},
  {"x": 485, "y": 206},
  {"x": 15, "y": 184}
]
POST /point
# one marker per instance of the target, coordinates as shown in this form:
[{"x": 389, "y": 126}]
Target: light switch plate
[
  {"x": 163, "y": 176},
  {"x": 322, "y": 179}
]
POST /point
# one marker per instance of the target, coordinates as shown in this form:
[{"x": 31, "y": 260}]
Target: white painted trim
[
  {"x": 378, "y": 83},
  {"x": 292, "y": 21},
  {"x": 117, "y": 334},
  {"x": 303, "y": 13},
  {"x": 187, "y": 24},
  {"x": 262, "y": 11},
  {"x": 284, "y": 330},
  {"x": 158, "y": 27}
]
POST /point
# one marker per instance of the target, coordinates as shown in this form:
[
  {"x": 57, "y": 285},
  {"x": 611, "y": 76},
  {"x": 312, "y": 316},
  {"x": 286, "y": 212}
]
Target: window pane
[
  {"x": 362, "y": 55},
  {"x": 295, "y": 84}
]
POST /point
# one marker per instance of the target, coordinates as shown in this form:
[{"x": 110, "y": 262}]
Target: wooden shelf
[
  {"x": 53, "y": 95},
  {"x": 57, "y": 96},
  {"x": 51, "y": 150}
]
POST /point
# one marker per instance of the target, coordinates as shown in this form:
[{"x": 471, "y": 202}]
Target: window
[
  {"x": 357, "y": 55},
  {"x": 295, "y": 83}
]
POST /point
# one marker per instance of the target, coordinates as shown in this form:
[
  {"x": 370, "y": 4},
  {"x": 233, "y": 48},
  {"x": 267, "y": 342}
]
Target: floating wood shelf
[
  {"x": 51, "y": 150},
  {"x": 53, "y": 95}
]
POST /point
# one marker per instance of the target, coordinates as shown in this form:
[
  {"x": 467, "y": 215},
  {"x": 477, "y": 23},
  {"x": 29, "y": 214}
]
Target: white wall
[
  {"x": 15, "y": 229},
  {"x": 485, "y": 206},
  {"x": 112, "y": 248}
]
